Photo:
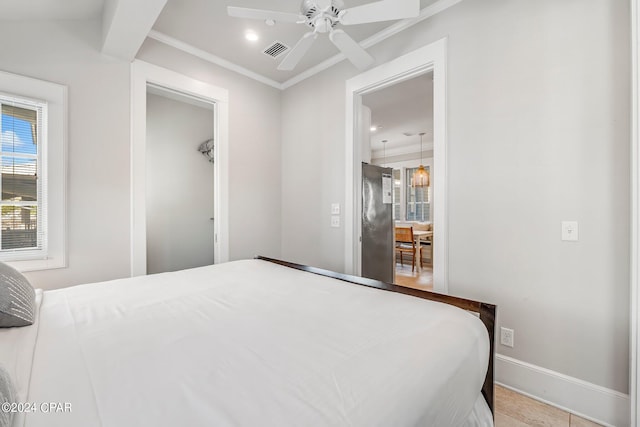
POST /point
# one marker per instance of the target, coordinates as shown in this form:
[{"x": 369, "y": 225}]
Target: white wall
[
  {"x": 98, "y": 142},
  {"x": 313, "y": 165},
  {"x": 538, "y": 128},
  {"x": 179, "y": 185},
  {"x": 254, "y": 150},
  {"x": 98, "y": 205},
  {"x": 365, "y": 131}
]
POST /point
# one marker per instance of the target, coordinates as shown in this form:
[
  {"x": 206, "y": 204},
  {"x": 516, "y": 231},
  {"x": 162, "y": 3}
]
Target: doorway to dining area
[{"x": 400, "y": 120}]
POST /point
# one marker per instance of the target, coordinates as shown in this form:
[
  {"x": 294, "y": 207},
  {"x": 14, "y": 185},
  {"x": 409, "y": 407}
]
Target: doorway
[
  {"x": 399, "y": 119},
  {"x": 430, "y": 58},
  {"x": 143, "y": 74},
  {"x": 180, "y": 181}
]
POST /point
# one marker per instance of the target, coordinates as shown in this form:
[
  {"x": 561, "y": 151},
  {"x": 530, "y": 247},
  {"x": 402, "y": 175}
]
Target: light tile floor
[{"x": 516, "y": 410}]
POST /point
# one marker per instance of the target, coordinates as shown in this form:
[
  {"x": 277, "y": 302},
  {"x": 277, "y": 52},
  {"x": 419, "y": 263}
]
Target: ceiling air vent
[{"x": 275, "y": 49}]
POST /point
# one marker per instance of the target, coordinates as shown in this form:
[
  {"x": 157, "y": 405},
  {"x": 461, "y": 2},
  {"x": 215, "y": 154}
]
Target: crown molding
[
  {"x": 209, "y": 57},
  {"x": 401, "y": 150},
  {"x": 391, "y": 30}
]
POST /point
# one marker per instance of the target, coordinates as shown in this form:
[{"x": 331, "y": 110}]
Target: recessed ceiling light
[
  {"x": 251, "y": 36},
  {"x": 373, "y": 128}
]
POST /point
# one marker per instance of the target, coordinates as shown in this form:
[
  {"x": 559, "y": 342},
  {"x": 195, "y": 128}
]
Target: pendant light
[{"x": 421, "y": 176}]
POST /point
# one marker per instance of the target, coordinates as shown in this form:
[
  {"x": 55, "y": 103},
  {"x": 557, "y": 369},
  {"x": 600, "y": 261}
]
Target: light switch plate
[
  {"x": 335, "y": 208},
  {"x": 570, "y": 231},
  {"x": 335, "y": 221}
]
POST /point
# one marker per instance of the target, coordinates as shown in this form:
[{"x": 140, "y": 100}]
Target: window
[
  {"x": 32, "y": 174},
  {"x": 22, "y": 201},
  {"x": 409, "y": 203},
  {"x": 418, "y": 206},
  {"x": 397, "y": 188}
]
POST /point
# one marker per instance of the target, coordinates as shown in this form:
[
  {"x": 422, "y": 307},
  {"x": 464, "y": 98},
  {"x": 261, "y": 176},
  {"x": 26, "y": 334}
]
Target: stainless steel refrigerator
[{"x": 377, "y": 223}]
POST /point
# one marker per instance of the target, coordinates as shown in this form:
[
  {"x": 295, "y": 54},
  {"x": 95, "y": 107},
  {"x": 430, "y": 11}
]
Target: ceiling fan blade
[
  {"x": 243, "y": 12},
  {"x": 351, "y": 49},
  {"x": 384, "y": 10},
  {"x": 298, "y": 51}
]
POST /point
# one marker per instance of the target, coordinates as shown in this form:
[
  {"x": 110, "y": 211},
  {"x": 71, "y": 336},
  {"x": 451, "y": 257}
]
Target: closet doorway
[
  {"x": 180, "y": 181},
  {"x": 144, "y": 74}
]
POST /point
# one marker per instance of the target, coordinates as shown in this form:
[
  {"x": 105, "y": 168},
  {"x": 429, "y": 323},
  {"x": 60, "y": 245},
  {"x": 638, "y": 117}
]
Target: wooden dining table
[{"x": 422, "y": 236}]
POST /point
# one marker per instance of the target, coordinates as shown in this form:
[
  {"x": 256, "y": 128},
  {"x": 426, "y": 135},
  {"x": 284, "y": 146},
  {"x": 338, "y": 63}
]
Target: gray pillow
[
  {"x": 7, "y": 394},
  {"x": 17, "y": 298}
]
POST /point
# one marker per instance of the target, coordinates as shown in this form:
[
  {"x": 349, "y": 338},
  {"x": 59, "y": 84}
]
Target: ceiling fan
[{"x": 322, "y": 16}]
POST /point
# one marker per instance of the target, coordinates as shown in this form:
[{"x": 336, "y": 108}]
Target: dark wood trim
[{"x": 487, "y": 312}]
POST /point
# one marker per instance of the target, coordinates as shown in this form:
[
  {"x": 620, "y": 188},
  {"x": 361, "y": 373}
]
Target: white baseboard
[{"x": 590, "y": 401}]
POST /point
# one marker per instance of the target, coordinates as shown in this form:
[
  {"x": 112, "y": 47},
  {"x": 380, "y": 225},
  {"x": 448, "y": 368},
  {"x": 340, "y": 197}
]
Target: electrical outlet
[
  {"x": 335, "y": 221},
  {"x": 506, "y": 337},
  {"x": 570, "y": 231}
]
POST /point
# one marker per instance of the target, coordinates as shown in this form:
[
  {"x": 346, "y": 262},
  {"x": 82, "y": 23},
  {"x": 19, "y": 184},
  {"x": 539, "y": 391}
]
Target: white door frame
[
  {"x": 428, "y": 58},
  {"x": 143, "y": 73},
  {"x": 635, "y": 213}
]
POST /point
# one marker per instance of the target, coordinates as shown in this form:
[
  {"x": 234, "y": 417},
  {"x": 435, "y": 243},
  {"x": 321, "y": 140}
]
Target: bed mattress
[{"x": 251, "y": 343}]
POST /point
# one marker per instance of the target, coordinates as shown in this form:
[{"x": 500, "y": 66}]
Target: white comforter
[{"x": 250, "y": 343}]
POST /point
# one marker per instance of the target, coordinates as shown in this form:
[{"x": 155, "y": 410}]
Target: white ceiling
[
  {"x": 32, "y": 10},
  {"x": 204, "y": 24},
  {"x": 403, "y": 107},
  {"x": 201, "y": 26}
]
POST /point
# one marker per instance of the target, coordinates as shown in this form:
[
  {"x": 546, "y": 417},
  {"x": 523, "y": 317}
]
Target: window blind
[
  {"x": 397, "y": 188},
  {"x": 23, "y": 205}
]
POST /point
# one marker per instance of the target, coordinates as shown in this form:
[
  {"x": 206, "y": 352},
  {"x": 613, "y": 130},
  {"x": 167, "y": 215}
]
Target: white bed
[{"x": 247, "y": 343}]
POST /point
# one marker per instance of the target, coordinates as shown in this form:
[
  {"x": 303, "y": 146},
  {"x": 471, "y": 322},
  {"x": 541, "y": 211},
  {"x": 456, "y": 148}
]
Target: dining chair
[{"x": 406, "y": 244}]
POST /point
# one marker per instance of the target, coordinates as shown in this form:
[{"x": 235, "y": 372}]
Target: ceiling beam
[{"x": 125, "y": 25}]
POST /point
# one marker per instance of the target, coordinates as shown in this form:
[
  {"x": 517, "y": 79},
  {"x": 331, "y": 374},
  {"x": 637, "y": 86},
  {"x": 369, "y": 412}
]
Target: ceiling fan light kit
[{"x": 322, "y": 16}]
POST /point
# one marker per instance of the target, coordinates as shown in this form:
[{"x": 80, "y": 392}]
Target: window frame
[
  {"x": 53, "y": 167},
  {"x": 403, "y": 166},
  {"x": 407, "y": 185},
  {"x": 397, "y": 187},
  {"x": 40, "y": 250}
]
